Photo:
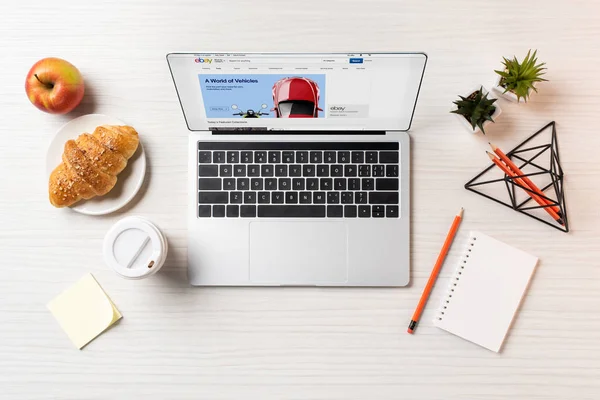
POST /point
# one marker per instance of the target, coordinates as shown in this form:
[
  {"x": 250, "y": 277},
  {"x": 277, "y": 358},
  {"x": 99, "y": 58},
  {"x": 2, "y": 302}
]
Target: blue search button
[{"x": 356, "y": 61}]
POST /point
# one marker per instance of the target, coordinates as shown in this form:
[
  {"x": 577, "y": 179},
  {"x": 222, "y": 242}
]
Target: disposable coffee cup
[{"x": 135, "y": 248}]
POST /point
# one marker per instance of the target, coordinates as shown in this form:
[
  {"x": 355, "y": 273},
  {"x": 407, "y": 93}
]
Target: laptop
[{"x": 299, "y": 166}]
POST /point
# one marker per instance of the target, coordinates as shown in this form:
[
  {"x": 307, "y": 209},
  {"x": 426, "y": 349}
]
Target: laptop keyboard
[{"x": 298, "y": 180}]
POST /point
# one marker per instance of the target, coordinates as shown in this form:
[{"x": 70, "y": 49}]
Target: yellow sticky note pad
[{"x": 84, "y": 311}]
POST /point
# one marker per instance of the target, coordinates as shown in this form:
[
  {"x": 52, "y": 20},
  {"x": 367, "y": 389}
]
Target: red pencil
[
  {"x": 526, "y": 179},
  {"x": 436, "y": 271},
  {"x": 520, "y": 181}
]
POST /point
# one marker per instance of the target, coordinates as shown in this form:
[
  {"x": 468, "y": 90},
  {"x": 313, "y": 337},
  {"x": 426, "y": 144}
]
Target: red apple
[{"x": 54, "y": 85}]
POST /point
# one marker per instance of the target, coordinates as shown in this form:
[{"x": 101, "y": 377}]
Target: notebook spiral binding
[{"x": 455, "y": 280}]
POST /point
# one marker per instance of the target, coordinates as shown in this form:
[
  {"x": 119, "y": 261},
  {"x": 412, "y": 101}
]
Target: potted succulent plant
[
  {"x": 516, "y": 80},
  {"x": 476, "y": 111}
]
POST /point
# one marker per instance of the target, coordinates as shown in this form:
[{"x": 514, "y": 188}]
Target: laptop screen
[{"x": 293, "y": 91}]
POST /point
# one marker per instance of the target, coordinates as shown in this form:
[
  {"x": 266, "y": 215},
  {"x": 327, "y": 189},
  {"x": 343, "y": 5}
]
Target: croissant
[{"x": 91, "y": 163}]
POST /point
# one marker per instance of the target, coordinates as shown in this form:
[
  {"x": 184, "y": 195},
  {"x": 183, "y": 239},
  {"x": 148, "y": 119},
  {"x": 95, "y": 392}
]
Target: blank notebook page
[{"x": 485, "y": 291}]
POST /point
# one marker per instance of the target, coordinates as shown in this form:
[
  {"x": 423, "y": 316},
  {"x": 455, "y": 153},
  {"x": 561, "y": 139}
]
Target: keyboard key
[
  {"x": 339, "y": 184},
  {"x": 253, "y": 170},
  {"x": 281, "y": 170},
  {"x": 391, "y": 211},
  {"x": 235, "y": 197},
  {"x": 335, "y": 211},
  {"x": 239, "y": 170},
  {"x": 229, "y": 184},
  {"x": 383, "y": 197},
  {"x": 391, "y": 170},
  {"x": 368, "y": 183},
  {"x": 337, "y": 170},
  {"x": 285, "y": 184},
  {"x": 323, "y": 170},
  {"x": 364, "y": 170},
  {"x": 233, "y": 157},
  {"x": 316, "y": 157},
  {"x": 343, "y": 157},
  {"x": 233, "y": 211},
  {"x": 256, "y": 184},
  {"x": 271, "y": 184},
  {"x": 219, "y": 157},
  {"x": 326, "y": 184},
  {"x": 266, "y": 170},
  {"x": 354, "y": 184},
  {"x": 378, "y": 211},
  {"x": 308, "y": 170},
  {"x": 360, "y": 198},
  {"x": 274, "y": 157},
  {"x": 347, "y": 198},
  {"x": 209, "y": 184},
  {"x": 333, "y": 197},
  {"x": 248, "y": 211},
  {"x": 277, "y": 197},
  {"x": 350, "y": 211},
  {"x": 388, "y": 157},
  {"x": 298, "y": 184},
  {"x": 249, "y": 197},
  {"x": 287, "y": 157},
  {"x": 242, "y": 184},
  {"x": 295, "y": 170},
  {"x": 329, "y": 157},
  {"x": 204, "y": 211},
  {"x": 291, "y": 197},
  {"x": 204, "y": 157},
  {"x": 264, "y": 198},
  {"x": 291, "y": 211},
  {"x": 378, "y": 171},
  {"x": 364, "y": 211},
  {"x": 218, "y": 211},
  {"x": 302, "y": 157},
  {"x": 358, "y": 157},
  {"x": 260, "y": 157},
  {"x": 212, "y": 197},
  {"x": 350, "y": 170},
  {"x": 319, "y": 197},
  {"x": 371, "y": 157},
  {"x": 225, "y": 170},
  {"x": 312, "y": 184},
  {"x": 247, "y": 157},
  {"x": 208, "y": 170},
  {"x": 305, "y": 198},
  {"x": 386, "y": 184}
]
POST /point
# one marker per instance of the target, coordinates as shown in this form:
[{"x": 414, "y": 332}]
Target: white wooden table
[{"x": 223, "y": 343}]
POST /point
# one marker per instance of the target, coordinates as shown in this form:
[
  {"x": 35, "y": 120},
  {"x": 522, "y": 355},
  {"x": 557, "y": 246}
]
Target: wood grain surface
[{"x": 178, "y": 342}]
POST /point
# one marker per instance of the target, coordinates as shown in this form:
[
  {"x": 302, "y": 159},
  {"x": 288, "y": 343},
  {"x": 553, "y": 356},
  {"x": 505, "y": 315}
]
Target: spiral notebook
[{"x": 485, "y": 291}]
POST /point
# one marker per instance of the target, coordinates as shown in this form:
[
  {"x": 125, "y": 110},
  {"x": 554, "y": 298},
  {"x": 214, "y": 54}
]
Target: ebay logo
[{"x": 203, "y": 60}]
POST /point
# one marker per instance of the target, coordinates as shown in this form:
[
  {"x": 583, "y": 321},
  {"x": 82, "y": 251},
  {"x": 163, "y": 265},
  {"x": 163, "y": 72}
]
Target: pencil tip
[
  {"x": 492, "y": 146},
  {"x": 490, "y": 155},
  {"x": 460, "y": 213}
]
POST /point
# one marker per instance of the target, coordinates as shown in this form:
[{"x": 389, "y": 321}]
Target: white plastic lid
[{"x": 135, "y": 248}]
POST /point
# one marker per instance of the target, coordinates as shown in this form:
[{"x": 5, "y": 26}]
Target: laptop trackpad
[{"x": 298, "y": 253}]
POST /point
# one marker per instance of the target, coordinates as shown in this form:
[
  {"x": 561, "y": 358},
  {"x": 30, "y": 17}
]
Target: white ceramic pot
[
  {"x": 467, "y": 124},
  {"x": 510, "y": 96}
]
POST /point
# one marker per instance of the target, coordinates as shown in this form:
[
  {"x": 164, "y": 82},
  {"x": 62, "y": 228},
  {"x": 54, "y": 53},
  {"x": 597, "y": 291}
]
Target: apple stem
[{"x": 48, "y": 85}]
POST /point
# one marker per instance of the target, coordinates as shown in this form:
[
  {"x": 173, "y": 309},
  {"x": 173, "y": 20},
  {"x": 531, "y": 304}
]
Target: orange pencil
[
  {"x": 520, "y": 181},
  {"x": 526, "y": 179},
  {"x": 436, "y": 271}
]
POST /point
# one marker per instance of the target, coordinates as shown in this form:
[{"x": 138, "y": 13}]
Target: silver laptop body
[{"x": 323, "y": 202}]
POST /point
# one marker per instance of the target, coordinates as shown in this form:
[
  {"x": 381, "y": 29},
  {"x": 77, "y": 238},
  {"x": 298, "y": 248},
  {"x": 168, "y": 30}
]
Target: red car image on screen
[{"x": 296, "y": 97}]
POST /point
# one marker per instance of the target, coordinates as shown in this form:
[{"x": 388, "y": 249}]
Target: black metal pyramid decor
[{"x": 538, "y": 158}]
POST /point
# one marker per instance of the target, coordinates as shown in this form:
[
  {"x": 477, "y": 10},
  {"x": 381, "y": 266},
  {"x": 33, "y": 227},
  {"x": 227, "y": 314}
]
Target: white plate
[{"x": 129, "y": 181}]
